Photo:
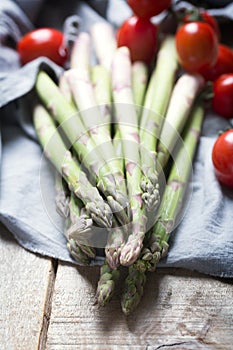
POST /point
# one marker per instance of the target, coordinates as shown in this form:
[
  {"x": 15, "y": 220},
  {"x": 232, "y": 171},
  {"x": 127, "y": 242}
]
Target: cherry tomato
[
  {"x": 222, "y": 157},
  {"x": 148, "y": 8},
  {"x": 197, "y": 46},
  {"x": 224, "y": 64},
  {"x": 47, "y": 42},
  {"x": 140, "y": 36},
  {"x": 203, "y": 16},
  {"x": 223, "y": 95}
]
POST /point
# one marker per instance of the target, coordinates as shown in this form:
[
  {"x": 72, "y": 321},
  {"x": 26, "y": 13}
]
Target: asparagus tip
[
  {"x": 113, "y": 256},
  {"x": 106, "y": 284},
  {"x": 77, "y": 253},
  {"x": 151, "y": 195},
  {"x": 101, "y": 213},
  {"x": 133, "y": 290},
  {"x": 130, "y": 252}
]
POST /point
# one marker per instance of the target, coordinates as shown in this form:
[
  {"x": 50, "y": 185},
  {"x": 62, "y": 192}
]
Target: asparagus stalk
[
  {"x": 82, "y": 143},
  {"x": 101, "y": 82},
  {"x": 155, "y": 105},
  {"x": 77, "y": 220},
  {"x": 86, "y": 95},
  {"x": 139, "y": 82},
  {"x": 117, "y": 237},
  {"x": 127, "y": 122},
  {"x": 102, "y": 89},
  {"x": 160, "y": 85},
  {"x": 77, "y": 253},
  {"x": 139, "y": 85},
  {"x": 183, "y": 96},
  {"x": 106, "y": 284},
  {"x": 169, "y": 211},
  {"x": 61, "y": 196},
  {"x": 105, "y": 45},
  {"x": 133, "y": 290},
  {"x": 64, "y": 88},
  {"x": 177, "y": 183},
  {"x": 62, "y": 160},
  {"x": 80, "y": 54},
  {"x": 110, "y": 272},
  {"x": 104, "y": 41},
  {"x": 85, "y": 99},
  {"x": 80, "y": 227}
]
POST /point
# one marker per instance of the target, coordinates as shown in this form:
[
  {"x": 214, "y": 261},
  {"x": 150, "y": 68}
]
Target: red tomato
[
  {"x": 222, "y": 157},
  {"x": 197, "y": 46},
  {"x": 203, "y": 16},
  {"x": 223, "y": 95},
  {"x": 140, "y": 36},
  {"x": 47, "y": 42},
  {"x": 223, "y": 65},
  {"x": 148, "y": 8}
]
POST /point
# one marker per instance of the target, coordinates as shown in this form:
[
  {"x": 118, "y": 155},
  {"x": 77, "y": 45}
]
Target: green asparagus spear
[
  {"x": 139, "y": 82},
  {"x": 133, "y": 290},
  {"x": 117, "y": 237},
  {"x": 106, "y": 284},
  {"x": 101, "y": 82},
  {"x": 127, "y": 122},
  {"x": 104, "y": 41},
  {"x": 81, "y": 52},
  {"x": 155, "y": 105},
  {"x": 85, "y": 98},
  {"x": 60, "y": 156},
  {"x": 82, "y": 143},
  {"x": 177, "y": 182},
  {"x": 102, "y": 88},
  {"x": 65, "y": 90},
  {"x": 80, "y": 227},
  {"x": 183, "y": 97},
  {"x": 77, "y": 253},
  {"x": 105, "y": 45},
  {"x": 169, "y": 211},
  {"x": 81, "y": 253},
  {"x": 62, "y": 196}
]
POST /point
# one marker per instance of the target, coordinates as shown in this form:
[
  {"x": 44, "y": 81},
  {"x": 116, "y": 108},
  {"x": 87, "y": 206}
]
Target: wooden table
[{"x": 46, "y": 304}]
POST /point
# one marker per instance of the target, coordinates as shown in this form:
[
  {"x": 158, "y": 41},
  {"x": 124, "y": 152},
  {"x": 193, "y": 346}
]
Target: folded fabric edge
[
  {"x": 14, "y": 228},
  {"x": 30, "y": 70}
]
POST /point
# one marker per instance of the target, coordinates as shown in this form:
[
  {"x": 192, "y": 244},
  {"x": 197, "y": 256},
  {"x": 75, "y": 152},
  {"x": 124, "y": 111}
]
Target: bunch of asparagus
[{"x": 122, "y": 139}]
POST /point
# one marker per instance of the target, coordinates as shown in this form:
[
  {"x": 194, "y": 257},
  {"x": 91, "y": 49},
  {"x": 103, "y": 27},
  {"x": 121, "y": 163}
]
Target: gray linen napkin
[{"x": 204, "y": 239}]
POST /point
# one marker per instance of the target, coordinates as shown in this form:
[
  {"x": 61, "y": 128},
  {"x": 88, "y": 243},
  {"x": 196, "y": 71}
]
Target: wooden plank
[
  {"x": 180, "y": 310},
  {"x": 26, "y": 282}
]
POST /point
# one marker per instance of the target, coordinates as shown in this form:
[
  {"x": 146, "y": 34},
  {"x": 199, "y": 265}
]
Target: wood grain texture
[
  {"x": 180, "y": 310},
  {"x": 26, "y": 281}
]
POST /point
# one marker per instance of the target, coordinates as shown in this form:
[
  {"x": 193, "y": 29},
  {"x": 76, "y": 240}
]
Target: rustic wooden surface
[
  {"x": 48, "y": 307},
  {"x": 26, "y": 284}
]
